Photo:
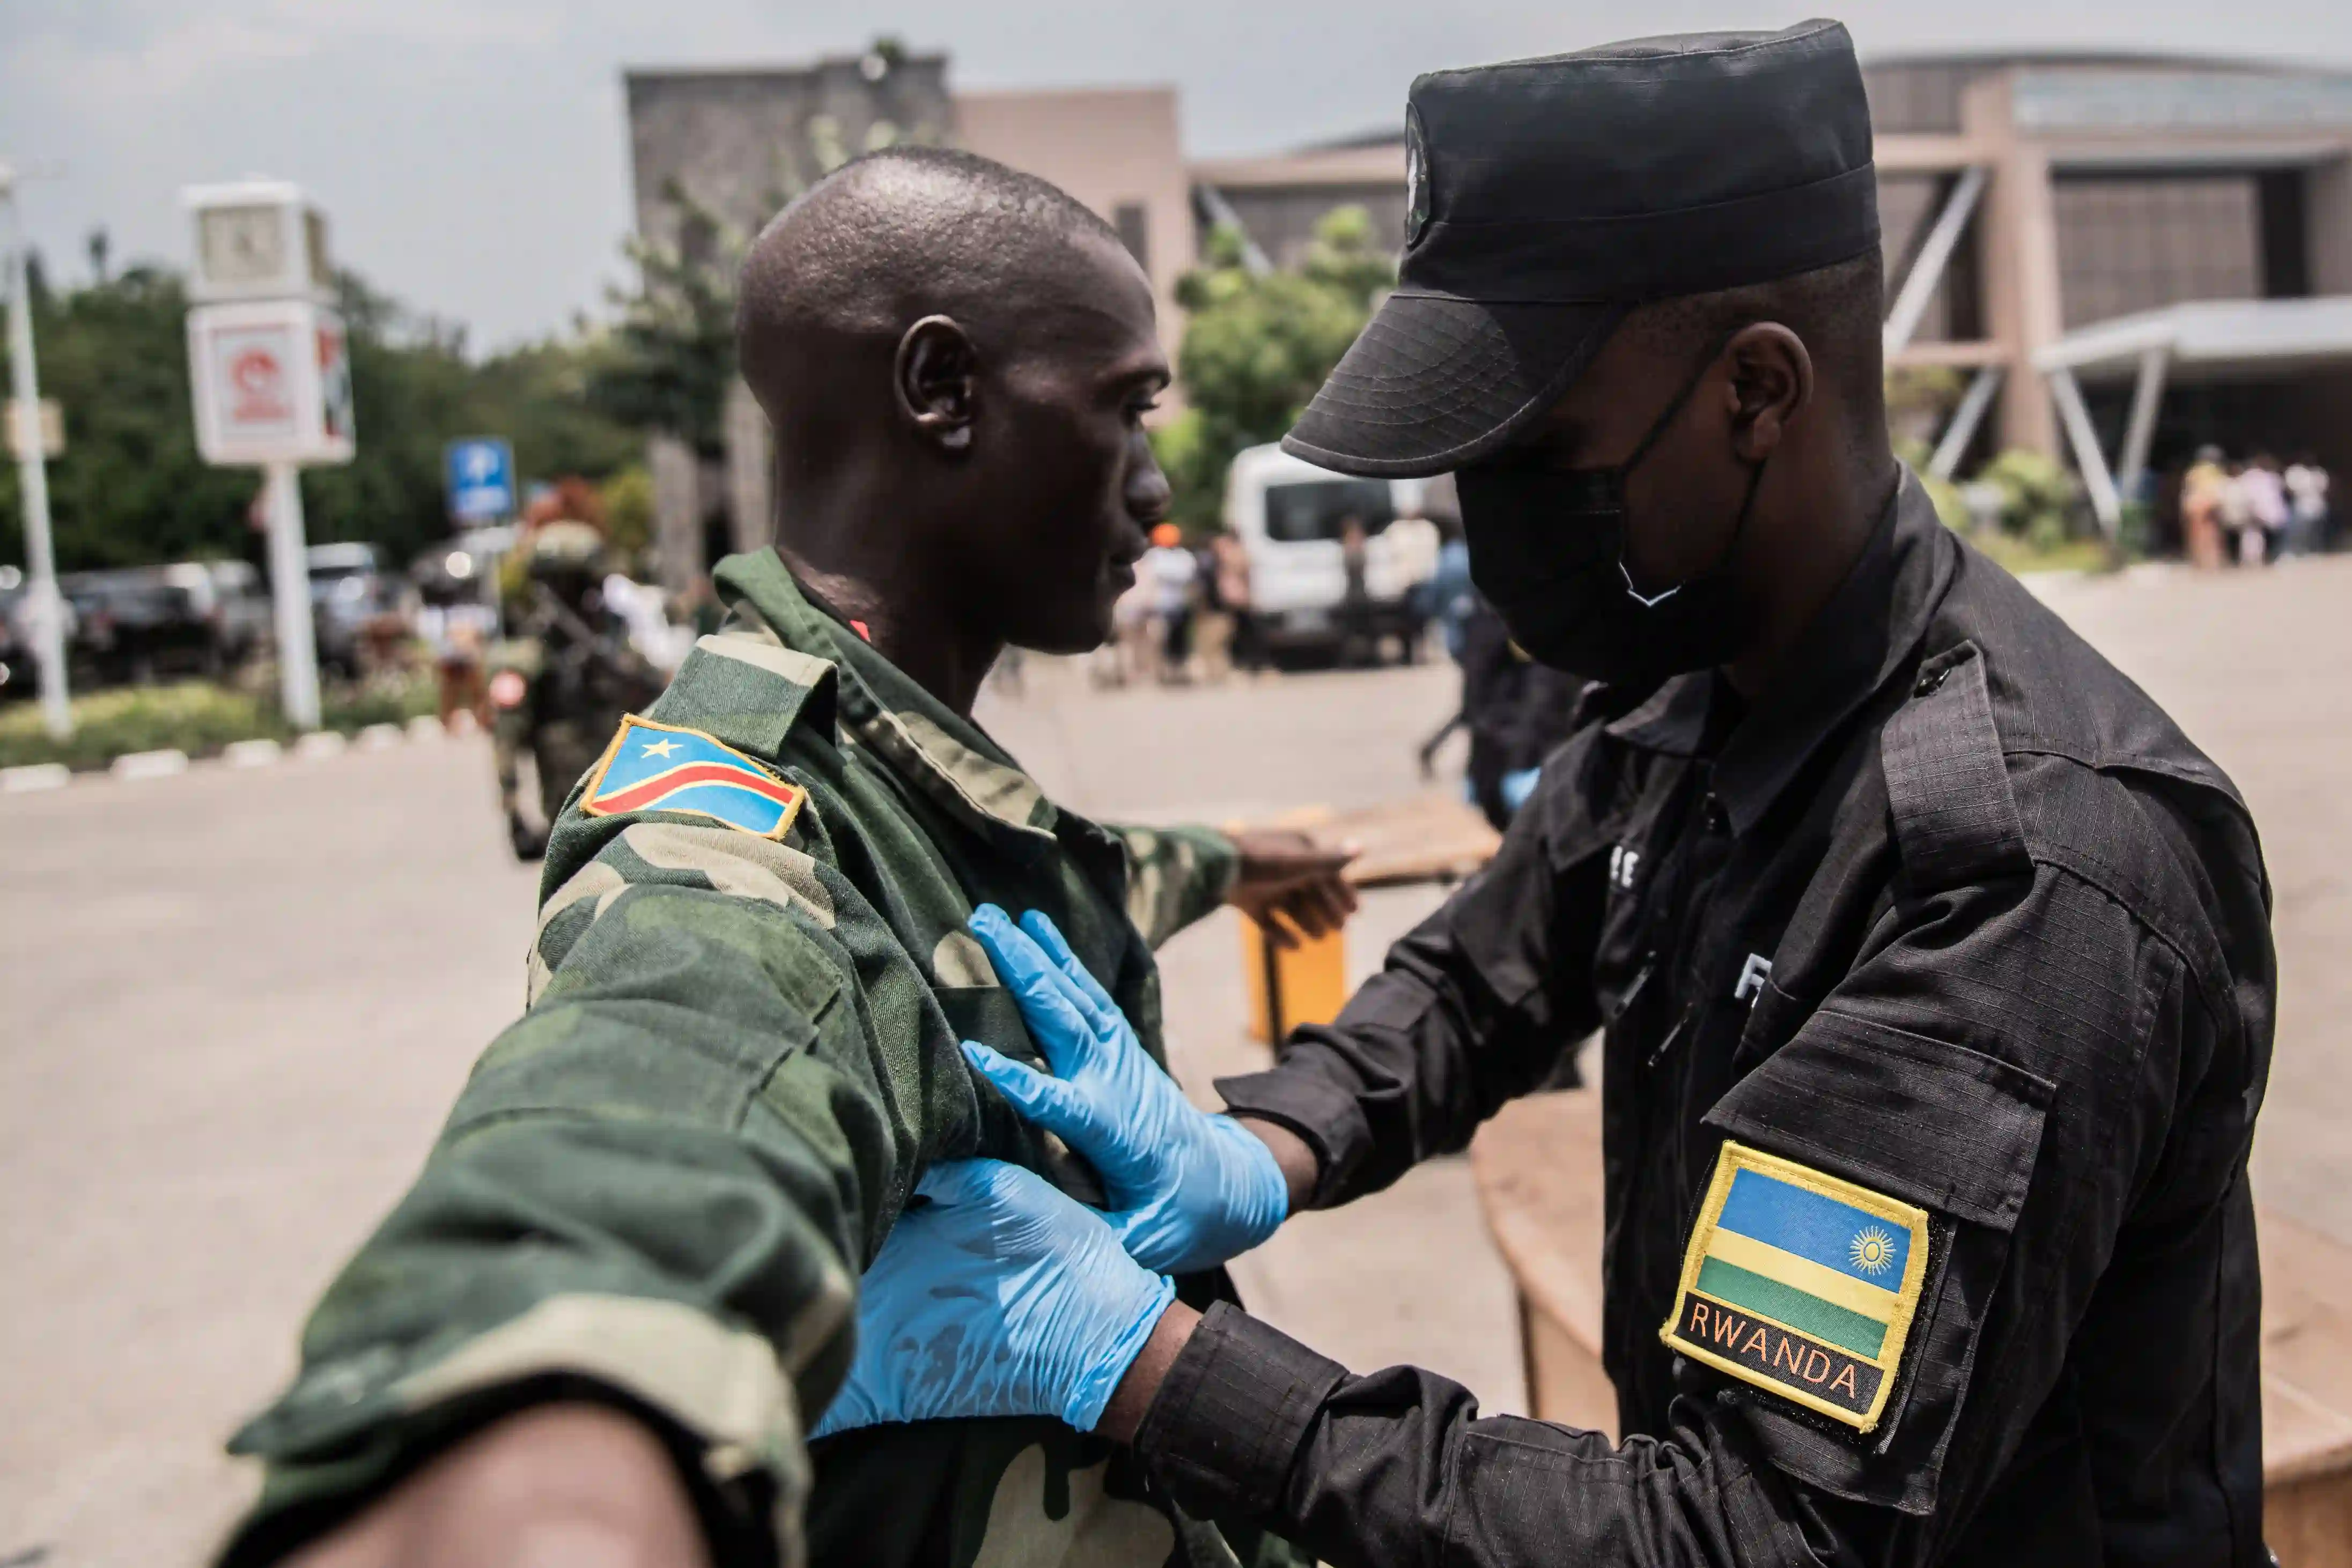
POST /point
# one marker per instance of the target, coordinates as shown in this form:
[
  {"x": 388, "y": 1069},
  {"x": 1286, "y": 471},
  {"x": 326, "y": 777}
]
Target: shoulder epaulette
[
  {"x": 1955, "y": 816},
  {"x": 747, "y": 689}
]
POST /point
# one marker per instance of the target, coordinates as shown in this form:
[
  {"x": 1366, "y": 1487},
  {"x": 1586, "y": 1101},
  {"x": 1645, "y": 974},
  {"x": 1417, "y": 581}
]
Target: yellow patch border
[
  {"x": 1737, "y": 1157},
  {"x": 596, "y": 781}
]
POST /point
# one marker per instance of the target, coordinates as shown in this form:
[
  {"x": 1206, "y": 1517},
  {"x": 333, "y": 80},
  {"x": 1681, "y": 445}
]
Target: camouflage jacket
[{"x": 661, "y": 1184}]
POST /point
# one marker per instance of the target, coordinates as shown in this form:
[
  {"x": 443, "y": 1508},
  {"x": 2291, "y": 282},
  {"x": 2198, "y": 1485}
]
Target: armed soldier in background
[{"x": 560, "y": 685}]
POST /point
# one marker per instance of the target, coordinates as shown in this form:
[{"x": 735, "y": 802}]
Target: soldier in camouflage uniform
[
  {"x": 562, "y": 683},
  {"x": 751, "y": 969}
]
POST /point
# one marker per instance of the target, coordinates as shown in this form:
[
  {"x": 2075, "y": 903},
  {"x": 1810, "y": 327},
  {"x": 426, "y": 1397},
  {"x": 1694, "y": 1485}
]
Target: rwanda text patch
[
  {"x": 1800, "y": 1283},
  {"x": 653, "y": 766}
]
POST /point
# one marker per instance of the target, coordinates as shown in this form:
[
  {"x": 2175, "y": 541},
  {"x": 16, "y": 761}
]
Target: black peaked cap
[{"x": 1547, "y": 197}]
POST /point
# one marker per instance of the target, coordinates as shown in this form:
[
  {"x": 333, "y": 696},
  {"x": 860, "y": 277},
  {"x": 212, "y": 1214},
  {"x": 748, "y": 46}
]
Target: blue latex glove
[
  {"x": 999, "y": 1296},
  {"x": 1187, "y": 1189},
  {"x": 1517, "y": 786}
]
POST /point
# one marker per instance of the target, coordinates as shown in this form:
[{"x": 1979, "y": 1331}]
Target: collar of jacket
[
  {"x": 1867, "y": 634},
  {"x": 922, "y": 741}
]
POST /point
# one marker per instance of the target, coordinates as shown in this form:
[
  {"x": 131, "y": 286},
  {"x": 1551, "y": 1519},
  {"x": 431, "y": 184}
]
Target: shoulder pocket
[{"x": 1950, "y": 1130}]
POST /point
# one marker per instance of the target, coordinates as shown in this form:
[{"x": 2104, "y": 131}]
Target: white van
[{"x": 1289, "y": 516}]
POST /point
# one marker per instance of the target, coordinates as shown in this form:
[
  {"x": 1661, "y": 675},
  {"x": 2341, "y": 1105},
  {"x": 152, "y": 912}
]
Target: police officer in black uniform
[
  {"x": 1901, "y": 900},
  {"x": 1932, "y": 962}
]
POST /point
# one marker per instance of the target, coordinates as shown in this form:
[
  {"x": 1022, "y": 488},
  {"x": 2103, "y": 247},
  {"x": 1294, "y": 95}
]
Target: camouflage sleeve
[
  {"x": 658, "y": 1188},
  {"x": 1174, "y": 876}
]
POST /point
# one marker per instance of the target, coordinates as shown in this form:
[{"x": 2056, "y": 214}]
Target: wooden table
[
  {"x": 1538, "y": 1173},
  {"x": 1429, "y": 837}
]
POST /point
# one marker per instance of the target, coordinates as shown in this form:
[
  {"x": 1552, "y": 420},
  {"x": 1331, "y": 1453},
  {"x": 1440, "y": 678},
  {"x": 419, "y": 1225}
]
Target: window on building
[
  {"x": 1306, "y": 510},
  {"x": 2129, "y": 242},
  {"x": 1134, "y": 227}
]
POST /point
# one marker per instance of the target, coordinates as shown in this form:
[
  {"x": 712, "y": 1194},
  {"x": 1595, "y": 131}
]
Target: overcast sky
[{"x": 472, "y": 158}]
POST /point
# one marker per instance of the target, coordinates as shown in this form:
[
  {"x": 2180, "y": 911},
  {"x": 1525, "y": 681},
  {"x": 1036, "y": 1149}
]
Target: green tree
[
  {"x": 130, "y": 488},
  {"x": 671, "y": 355},
  {"x": 1256, "y": 347}
]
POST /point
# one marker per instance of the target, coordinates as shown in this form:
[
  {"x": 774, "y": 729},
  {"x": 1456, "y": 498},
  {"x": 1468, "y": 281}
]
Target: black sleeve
[
  {"x": 1398, "y": 1468},
  {"x": 2026, "y": 1061},
  {"x": 1474, "y": 1007}
]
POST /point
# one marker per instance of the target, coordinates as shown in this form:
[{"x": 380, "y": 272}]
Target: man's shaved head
[
  {"x": 957, "y": 359},
  {"x": 897, "y": 236}
]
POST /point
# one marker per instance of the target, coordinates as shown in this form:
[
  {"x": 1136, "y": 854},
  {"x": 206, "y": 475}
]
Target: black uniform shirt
[{"x": 1954, "y": 916}]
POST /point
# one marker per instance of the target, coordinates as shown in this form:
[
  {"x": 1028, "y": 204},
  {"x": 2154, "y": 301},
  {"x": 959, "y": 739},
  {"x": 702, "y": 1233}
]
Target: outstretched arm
[{"x": 656, "y": 1193}]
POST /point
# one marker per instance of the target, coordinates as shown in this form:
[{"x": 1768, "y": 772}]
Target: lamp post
[{"x": 45, "y": 613}]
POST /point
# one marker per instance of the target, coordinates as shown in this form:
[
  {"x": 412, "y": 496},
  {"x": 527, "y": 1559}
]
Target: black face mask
[{"x": 1547, "y": 549}]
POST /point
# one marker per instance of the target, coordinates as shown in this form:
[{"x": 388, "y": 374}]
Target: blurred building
[
  {"x": 716, "y": 153},
  {"x": 2122, "y": 255},
  {"x": 2148, "y": 253}
]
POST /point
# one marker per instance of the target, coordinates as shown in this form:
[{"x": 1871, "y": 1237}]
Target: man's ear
[
  {"x": 1771, "y": 383},
  {"x": 936, "y": 377}
]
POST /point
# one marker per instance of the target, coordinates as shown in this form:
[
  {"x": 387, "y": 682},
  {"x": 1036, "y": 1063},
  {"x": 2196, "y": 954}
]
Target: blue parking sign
[{"x": 481, "y": 479}]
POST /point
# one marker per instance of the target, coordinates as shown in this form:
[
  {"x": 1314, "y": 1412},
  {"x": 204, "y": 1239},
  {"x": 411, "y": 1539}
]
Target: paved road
[{"x": 238, "y": 1004}]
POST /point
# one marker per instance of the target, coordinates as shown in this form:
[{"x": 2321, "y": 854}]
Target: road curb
[
  {"x": 35, "y": 776},
  {"x": 142, "y": 766},
  {"x": 252, "y": 753}
]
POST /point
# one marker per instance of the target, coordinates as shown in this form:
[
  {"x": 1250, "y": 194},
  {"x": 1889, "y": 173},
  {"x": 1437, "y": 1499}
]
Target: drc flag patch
[
  {"x": 655, "y": 766},
  {"x": 1801, "y": 1285}
]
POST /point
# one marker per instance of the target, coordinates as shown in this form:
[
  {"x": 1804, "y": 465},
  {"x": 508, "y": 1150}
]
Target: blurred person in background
[
  {"x": 1213, "y": 622},
  {"x": 458, "y": 628},
  {"x": 1175, "y": 573},
  {"x": 1516, "y": 712},
  {"x": 1448, "y": 595},
  {"x": 2267, "y": 509},
  {"x": 2238, "y": 516},
  {"x": 1229, "y": 563},
  {"x": 1413, "y": 543},
  {"x": 1355, "y": 595},
  {"x": 2310, "y": 521},
  {"x": 2204, "y": 492},
  {"x": 561, "y": 680}
]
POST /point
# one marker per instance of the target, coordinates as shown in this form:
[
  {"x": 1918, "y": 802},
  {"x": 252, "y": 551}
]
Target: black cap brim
[{"x": 1434, "y": 382}]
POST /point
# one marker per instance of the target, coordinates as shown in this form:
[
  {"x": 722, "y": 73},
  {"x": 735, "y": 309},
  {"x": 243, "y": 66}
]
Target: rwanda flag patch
[
  {"x": 655, "y": 766},
  {"x": 1801, "y": 1285}
]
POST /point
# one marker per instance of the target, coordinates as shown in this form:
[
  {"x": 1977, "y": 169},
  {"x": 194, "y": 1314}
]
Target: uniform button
[{"x": 1717, "y": 819}]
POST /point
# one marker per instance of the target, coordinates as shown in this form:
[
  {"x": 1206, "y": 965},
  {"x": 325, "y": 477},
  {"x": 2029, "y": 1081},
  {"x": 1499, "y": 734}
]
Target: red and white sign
[{"x": 272, "y": 383}]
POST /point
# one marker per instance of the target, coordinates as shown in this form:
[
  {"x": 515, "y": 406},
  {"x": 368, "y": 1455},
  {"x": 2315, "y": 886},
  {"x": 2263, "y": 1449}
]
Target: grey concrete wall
[
  {"x": 1110, "y": 148},
  {"x": 744, "y": 142},
  {"x": 1282, "y": 219}
]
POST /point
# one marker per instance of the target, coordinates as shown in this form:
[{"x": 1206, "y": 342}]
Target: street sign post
[
  {"x": 481, "y": 477},
  {"x": 269, "y": 363},
  {"x": 44, "y": 611}
]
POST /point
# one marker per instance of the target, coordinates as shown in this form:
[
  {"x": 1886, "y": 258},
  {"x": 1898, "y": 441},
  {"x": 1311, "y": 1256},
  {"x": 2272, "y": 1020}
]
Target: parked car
[
  {"x": 351, "y": 599},
  {"x": 241, "y": 610},
  {"x": 1291, "y": 517},
  {"x": 142, "y": 623}
]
